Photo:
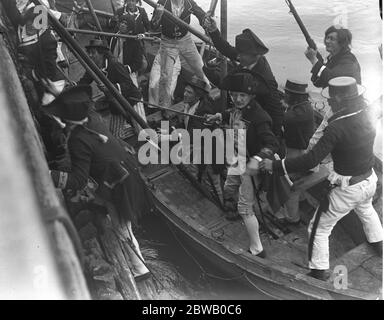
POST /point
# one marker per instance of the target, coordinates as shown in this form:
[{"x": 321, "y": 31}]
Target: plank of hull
[{"x": 202, "y": 224}]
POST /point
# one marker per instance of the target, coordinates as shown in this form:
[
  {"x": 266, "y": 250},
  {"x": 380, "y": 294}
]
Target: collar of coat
[
  {"x": 346, "y": 113},
  {"x": 336, "y": 57},
  {"x": 252, "y": 113}
]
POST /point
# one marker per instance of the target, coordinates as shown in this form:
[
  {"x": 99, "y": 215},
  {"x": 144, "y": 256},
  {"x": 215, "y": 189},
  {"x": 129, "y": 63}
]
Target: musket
[
  {"x": 108, "y": 34},
  {"x": 113, "y": 8},
  {"x": 168, "y": 109},
  {"x": 303, "y": 29},
  {"x": 94, "y": 16},
  {"x": 180, "y": 23},
  {"x": 212, "y": 8}
]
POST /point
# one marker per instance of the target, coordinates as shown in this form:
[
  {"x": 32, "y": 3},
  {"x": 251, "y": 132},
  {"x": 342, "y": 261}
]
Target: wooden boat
[
  {"x": 201, "y": 224},
  {"x": 282, "y": 275}
]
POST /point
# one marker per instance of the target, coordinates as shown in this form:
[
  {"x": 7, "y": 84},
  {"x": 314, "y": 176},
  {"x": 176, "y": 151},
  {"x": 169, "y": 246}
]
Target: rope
[
  {"x": 261, "y": 290},
  {"x": 205, "y": 273}
]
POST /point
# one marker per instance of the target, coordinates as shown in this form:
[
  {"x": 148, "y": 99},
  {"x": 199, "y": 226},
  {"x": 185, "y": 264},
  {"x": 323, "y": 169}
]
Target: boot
[
  {"x": 322, "y": 275},
  {"x": 378, "y": 247}
]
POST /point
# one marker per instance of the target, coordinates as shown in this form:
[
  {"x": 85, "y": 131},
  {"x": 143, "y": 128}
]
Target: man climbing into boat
[
  {"x": 197, "y": 102},
  {"x": 38, "y": 47},
  {"x": 95, "y": 153},
  {"x": 259, "y": 142},
  {"x": 349, "y": 137},
  {"x": 176, "y": 42},
  {"x": 116, "y": 72},
  {"x": 250, "y": 52},
  {"x": 299, "y": 126}
]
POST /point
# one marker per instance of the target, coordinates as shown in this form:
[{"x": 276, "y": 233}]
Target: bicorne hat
[
  {"x": 71, "y": 104},
  {"x": 97, "y": 43},
  {"x": 248, "y": 42},
  {"x": 199, "y": 83},
  {"x": 343, "y": 88},
  {"x": 295, "y": 86},
  {"x": 245, "y": 81}
]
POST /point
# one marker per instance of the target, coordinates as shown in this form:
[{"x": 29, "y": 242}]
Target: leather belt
[
  {"x": 357, "y": 179},
  {"x": 176, "y": 37}
]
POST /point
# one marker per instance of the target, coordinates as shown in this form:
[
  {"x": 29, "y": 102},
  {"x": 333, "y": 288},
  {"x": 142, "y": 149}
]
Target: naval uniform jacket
[
  {"x": 271, "y": 101},
  {"x": 299, "y": 125},
  {"x": 169, "y": 28},
  {"x": 258, "y": 125},
  {"x": 107, "y": 163},
  {"x": 119, "y": 76},
  {"x": 343, "y": 64},
  {"x": 349, "y": 137}
]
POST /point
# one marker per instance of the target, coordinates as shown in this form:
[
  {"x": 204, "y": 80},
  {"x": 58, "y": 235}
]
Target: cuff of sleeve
[
  {"x": 316, "y": 68},
  {"x": 215, "y": 34},
  {"x": 257, "y": 158},
  {"x": 283, "y": 165}
]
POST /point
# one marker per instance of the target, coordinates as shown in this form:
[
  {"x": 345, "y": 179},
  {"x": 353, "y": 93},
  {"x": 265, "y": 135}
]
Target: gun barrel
[
  {"x": 212, "y": 7},
  {"x": 303, "y": 29}
]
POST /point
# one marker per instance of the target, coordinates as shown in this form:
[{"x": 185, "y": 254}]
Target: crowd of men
[{"x": 279, "y": 139}]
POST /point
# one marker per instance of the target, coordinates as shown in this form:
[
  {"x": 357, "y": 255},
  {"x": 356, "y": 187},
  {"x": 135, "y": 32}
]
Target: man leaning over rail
[{"x": 95, "y": 153}]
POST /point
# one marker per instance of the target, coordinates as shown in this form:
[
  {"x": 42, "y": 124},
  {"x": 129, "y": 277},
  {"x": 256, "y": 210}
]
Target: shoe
[
  {"x": 378, "y": 247},
  {"x": 261, "y": 254},
  {"x": 319, "y": 274},
  {"x": 233, "y": 217},
  {"x": 143, "y": 277}
]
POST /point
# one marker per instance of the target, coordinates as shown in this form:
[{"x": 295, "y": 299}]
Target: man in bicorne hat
[
  {"x": 250, "y": 52},
  {"x": 95, "y": 153},
  {"x": 349, "y": 137},
  {"x": 255, "y": 141}
]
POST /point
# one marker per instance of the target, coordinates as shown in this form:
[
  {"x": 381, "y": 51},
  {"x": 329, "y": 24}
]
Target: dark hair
[
  {"x": 198, "y": 91},
  {"x": 104, "y": 51},
  {"x": 344, "y": 36},
  {"x": 294, "y": 98}
]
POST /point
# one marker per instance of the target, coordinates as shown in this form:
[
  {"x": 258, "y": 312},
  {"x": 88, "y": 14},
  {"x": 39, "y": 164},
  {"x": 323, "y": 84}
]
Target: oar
[
  {"x": 167, "y": 109},
  {"x": 181, "y": 23},
  {"x": 108, "y": 34},
  {"x": 81, "y": 8},
  {"x": 94, "y": 16}
]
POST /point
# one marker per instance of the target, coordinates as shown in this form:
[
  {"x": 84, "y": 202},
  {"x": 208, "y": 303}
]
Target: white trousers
[
  {"x": 170, "y": 50},
  {"x": 154, "y": 77},
  {"x": 357, "y": 197}
]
